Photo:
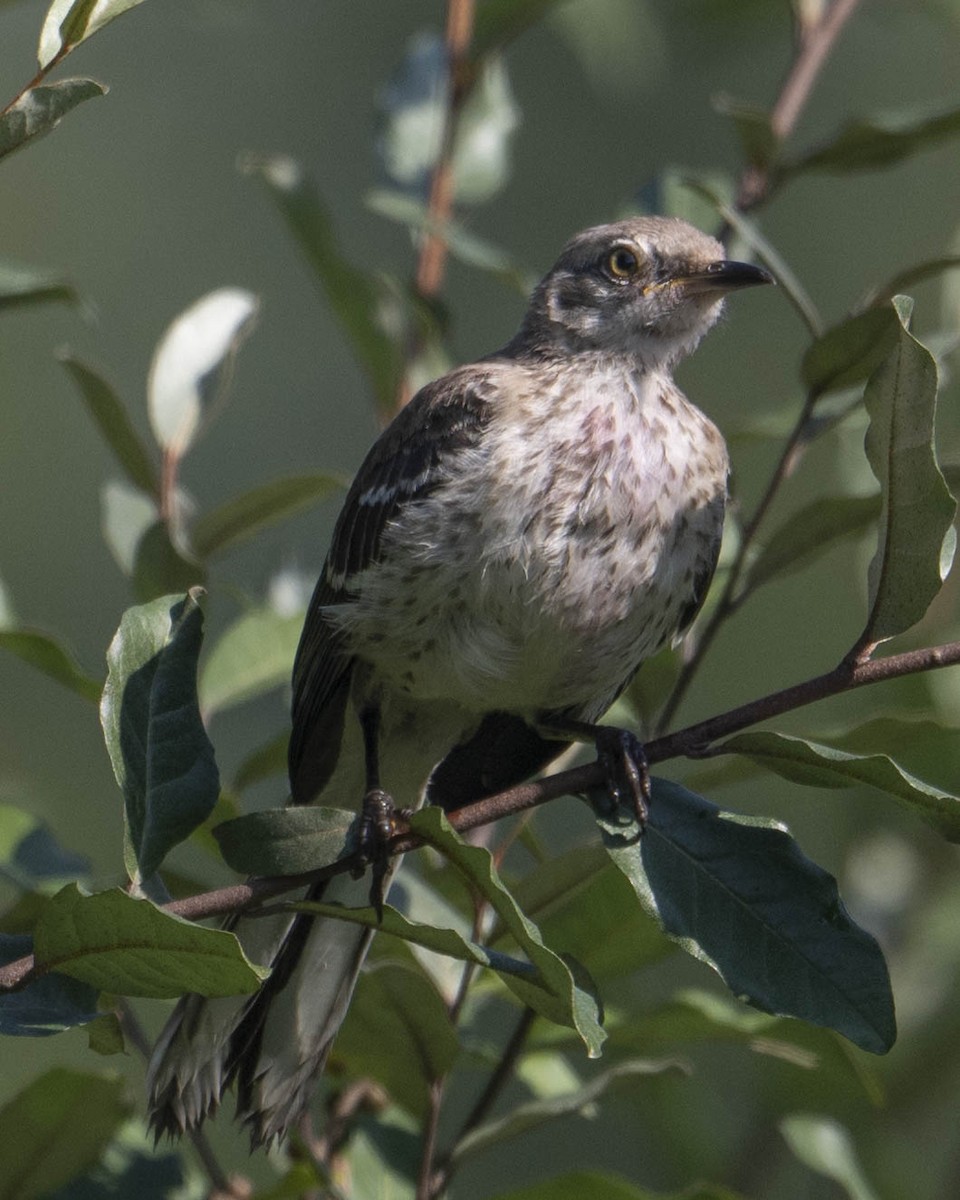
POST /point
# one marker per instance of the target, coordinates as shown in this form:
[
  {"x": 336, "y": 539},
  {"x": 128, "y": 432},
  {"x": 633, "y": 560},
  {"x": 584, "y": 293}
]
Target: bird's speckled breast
[{"x": 598, "y": 495}]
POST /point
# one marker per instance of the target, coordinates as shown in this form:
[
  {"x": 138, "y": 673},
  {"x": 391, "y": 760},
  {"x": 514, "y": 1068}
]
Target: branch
[{"x": 694, "y": 741}]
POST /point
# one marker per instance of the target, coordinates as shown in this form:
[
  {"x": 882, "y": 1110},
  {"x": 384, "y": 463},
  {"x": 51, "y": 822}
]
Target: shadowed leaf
[
  {"x": 46, "y": 1005},
  {"x": 287, "y": 841},
  {"x": 159, "y": 567},
  {"x": 247, "y": 514},
  {"x": 879, "y": 141},
  {"x": 161, "y": 755},
  {"x": 847, "y": 354},
  {"x": 739, "y": 894},
  {"x": 30, "y": 285},
  {"x": 40, "y": 109},
  {"x": 45, "y": 653}
]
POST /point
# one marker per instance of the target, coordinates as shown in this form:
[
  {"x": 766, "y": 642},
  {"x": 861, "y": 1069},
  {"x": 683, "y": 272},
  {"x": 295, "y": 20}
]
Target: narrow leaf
[
  {"x": 499, "y": 22},
  {"x": 811, "y": 763},
  {"x": 599, "y": 1185},
  {"x": 398, "y": 1031},
  {"x": 266, "y": 760},
  {"x": 538, "y": 1112},
  {"x": 45, "y": 653},
  {"x": 824, "y": 1146},
  {"x": 252, "y": 656},
  {"x": 287, "y": 841},
  {"x": 192, "y": 364},
  {"x": 40, "y": 109},
  {"x": 70, "y": 22},
  {"x": 740, "y": 895},
  {"x": 245, "y": 515},
  {"x": 161, "y": 567},
  {"x": 30, "y": 285},
  {"x": 811, "y": 532},
  {"x": 879, "y": 141},
  {"x": 46, "y": 1005},
  {"x": 56, "y": 1128},
  {"x": 847, "y": 353},
  {"x": 30, "y": 855},
  {"x": 113, "y": 421},
  {"x": 915, "y": 546},
  {"x": 760, "y": 144},
  {"x": 131, "y": 948},
  {"x": 356, "y": 298},
  {"x": 161, "y": 755}
]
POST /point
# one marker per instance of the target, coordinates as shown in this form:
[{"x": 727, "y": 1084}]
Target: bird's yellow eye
[{"x": 623, "y": 263}]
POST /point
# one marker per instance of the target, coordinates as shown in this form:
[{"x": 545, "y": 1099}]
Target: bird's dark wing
[{"x": 409, "y": 460}]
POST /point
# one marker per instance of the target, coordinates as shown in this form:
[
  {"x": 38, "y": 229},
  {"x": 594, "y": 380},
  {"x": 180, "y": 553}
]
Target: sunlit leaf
[
  {"x": 824, "y": 1146},
  {"x": 126, "y": 514},
  {"x": 739, "y": 894},
  {"x": 916, "y": 542},
  {"x": 252, "y": 656},
  {"x": 131, "y": 948},
  {"x": 247, "y": 514},
  {"x": 113, "y": 421},
  {"x": 193, "y": 362},
  {"x": 55, "y": 1128},
  {"x": 161, "y": 755},
  {"x": 814, "y": 764},
  {"x": 40, "y": 109},
  {"x": 70, "y": 22}
]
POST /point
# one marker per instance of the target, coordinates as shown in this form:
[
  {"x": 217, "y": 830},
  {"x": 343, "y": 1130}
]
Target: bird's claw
[
  {"x": 378, "y": 824},
  {"x": 624, "y": 762}
]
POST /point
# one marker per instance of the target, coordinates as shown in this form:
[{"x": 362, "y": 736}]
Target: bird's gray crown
[{"x": 647, "y": 287}]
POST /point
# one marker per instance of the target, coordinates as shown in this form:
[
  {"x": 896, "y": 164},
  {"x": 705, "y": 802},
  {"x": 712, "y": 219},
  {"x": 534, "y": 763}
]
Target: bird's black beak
[{"x": 725, "y": 276}]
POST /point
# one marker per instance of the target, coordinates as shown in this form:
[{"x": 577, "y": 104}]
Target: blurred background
[{"x": 137, "y": 200}]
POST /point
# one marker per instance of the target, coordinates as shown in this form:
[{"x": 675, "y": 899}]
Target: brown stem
[{"x": 692, "y": 741}]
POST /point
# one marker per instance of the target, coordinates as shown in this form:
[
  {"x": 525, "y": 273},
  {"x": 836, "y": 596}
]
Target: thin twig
[{"x": 692, "y": 741}]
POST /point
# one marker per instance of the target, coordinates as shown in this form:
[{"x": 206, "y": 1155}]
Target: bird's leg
[
  {"x": 620, "y": 754},
  {"x": 377, "y": 824}
]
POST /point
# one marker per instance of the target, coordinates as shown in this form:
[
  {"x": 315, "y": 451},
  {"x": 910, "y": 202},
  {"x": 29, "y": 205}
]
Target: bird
[{"x": 527, "y": 531}]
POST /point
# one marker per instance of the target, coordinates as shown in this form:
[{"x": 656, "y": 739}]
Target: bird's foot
[
  {"x": 624, "y": 762},
  {"x": 378, "y": 825}
]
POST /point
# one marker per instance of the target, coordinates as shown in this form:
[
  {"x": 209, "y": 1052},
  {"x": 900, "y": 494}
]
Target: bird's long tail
[{"x": 273, "y": 1044}]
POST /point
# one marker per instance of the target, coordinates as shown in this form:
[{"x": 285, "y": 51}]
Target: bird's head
[{"x": 650, "y": 287}]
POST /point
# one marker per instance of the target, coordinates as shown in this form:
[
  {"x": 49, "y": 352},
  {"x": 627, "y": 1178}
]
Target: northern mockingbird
[{"x": 527, "y": 531}]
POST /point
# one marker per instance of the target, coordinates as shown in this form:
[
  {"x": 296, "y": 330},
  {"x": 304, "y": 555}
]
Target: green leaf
[
  {"x": 879, "y": 141},
  {"x": 399, "y": 1032},
  {"x": 193, "y": 363},
  {"x": 56, "y": 1128},
  {"x": 126, "y": 514},
  {"x": 676, "y": 193},
  {"x": 580, "y": 901},
  {"x": 413, "y": 114},
  {"x": 30, "y": 855},
  {"x": 161, "y": 755},
  {"x": 811, "y": 532},
  {"x": 905, "y": 279},
  {"x": 741, "y": 896},
  {"x": 579, "y": 1185},
  {"x": 45, "y": 653},
  {"x": 39, "y": 110},
  {"x": 159, "y": 566},
  {"x": 824, "y": 1146},
  {"x": 31, "y": 285},
  {"x": 266, "y": 760},
  {"x": 849, "y": 352},
  {"x": 817, "y": 765},
  {"x": 46, "y": 1005},
  {"x": 252, "y": 656},
  {"x": 130, "y": 947},
  {"x": 287, "y": 841},
  {"x": 572, "y": 999},
  {"x": 113, "y": 421},
  {"x": 358, "y": 300},
  {"x": 539, "y": 1112},
  {"x": 760, "y": 144},
  {"x": 916, "y": 541},
  {"x": 247, "y": 514},
  {"x": 70, "y": 22},
  {"x": 382, "y": 1157},
  {"x": 105, "y": 1035}
]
